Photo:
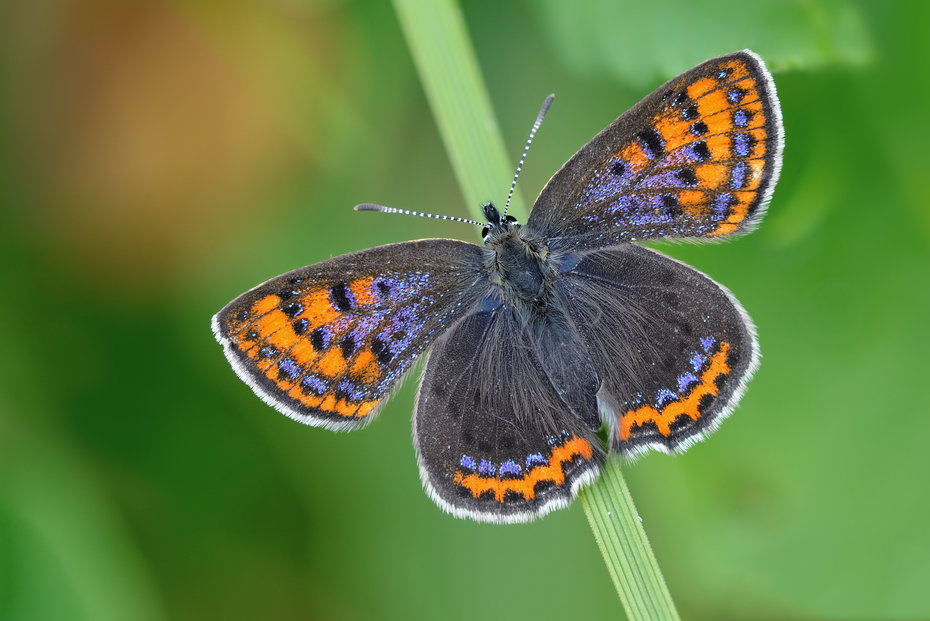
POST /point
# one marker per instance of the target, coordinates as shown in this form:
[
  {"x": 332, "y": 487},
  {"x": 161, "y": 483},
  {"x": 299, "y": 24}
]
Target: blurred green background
[{"x": 159, "y": 158}]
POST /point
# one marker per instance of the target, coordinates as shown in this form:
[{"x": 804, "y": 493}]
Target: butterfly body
[
  {"x": 521, "y": 270},
  {"x": 551, "y": 329}
]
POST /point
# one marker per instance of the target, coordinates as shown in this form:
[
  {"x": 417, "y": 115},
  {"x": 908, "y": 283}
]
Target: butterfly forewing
[
  {"x": 326, "y": 343},
  {"x": 673, "y": 349},
  {"x": 695, "y": 159}
]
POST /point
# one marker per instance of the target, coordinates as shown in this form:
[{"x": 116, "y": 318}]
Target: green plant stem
[
  {"x": 439, "y": 43},
  {"x": 623, "y": 543},
  {"x": 448, "y": 68}
]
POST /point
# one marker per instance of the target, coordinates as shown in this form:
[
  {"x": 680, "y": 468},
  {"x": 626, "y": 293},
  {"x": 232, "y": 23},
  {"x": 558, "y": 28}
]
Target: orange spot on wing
[
  {"x": 634, "y": 156},
  {"x": 723, "y": 229},
  {"x": 758, "y": 112},
  {"x": 329, "y": 404},
  {"x": 691, "y": 197},
  {"x": 318, "y": 310},
  {"x": 284, "y": 339},
  {"x": 759, "y": 148},
  {"x": 710, "y": 109},
  {"x": 738, "y": 69},
  {"x": 745, "y": 196},
  {"x": 719, "y": 146},
  {"x": 361, "y": 290},
  {"x": 277, "y": 330},
  {"x": 244, "y": 343},
  {"x": 303, "y": 353},
  {"x": 309, "y": 400},
  {"x": 266, "y": 304},
  {"x": 712, "y": 175},
  {"x": 693, "y": 202},
  {"x": 738, "y": 213},
  {"x": 748, "y": 85},
  {"x": 674, "y": 132},
  {"x": 365, "y": 367},
  {"x": 701, "y": 86},
  {"x": 331, "y": 364},
  {"x": 365, "y": 408},
  {"x": 721, "y": 121},
  {"x": 285, "y": 385},
  {"x": 687, "y": 405},
  {"x": 551, "y": 471},
  {"x": 345, "y": 408},
  {"x": 271, "y": 323},
  {"x": 274, "y": 329}
]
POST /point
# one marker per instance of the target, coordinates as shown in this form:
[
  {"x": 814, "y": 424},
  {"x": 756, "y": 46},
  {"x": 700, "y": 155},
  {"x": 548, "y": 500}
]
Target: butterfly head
[{"x": 498, "y": 225}]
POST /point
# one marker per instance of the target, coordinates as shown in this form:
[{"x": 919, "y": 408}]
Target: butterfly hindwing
[
  {"x": 506, "y": 418},
  {"x": 326, "y": 343},
  {"x": 673, "y": 348},
  {"x": 698, "y": 158}
]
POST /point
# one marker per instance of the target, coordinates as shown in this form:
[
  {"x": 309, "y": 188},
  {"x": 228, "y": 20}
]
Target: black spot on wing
[
  {"x": 735, "y": 94},
  {"x": 651, "y": 140},
  {"x": 339, "y": 296},
  {"x": 348, "y": 346},
  {"x": 318, "y": 339},
  {"x": 380, "y": 349},
  {"x": 671, "y": 205},
  {"x": 542, "y": 485},
  {"x": 687, "y": 176},
  {"x": 700, "y": 150},
  {"x": 680, "y": 423},
  {"x": 293, "y": 309}
]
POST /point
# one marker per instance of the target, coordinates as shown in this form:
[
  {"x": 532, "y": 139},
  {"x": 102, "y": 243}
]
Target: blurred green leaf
[
  {"x": 642, "y": 42},
  {"x": 65, "y": 552}
]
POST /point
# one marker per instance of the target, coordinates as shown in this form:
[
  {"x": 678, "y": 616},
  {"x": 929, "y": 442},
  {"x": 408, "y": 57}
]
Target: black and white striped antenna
[
  {"x": 526, "y": 148},
  {"x": 384, "y": 209}
]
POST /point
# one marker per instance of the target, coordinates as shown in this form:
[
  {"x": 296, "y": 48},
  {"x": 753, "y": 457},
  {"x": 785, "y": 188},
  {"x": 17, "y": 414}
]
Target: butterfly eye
[
  {"x": 509, "y": 219},
  {"x": 485, "y": 231}
]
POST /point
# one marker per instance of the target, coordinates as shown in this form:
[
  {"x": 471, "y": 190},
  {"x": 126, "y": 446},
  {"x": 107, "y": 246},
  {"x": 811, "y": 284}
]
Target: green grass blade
[
  {"x": 445, "y": 60},
  {"x": 625, "y": 547}
]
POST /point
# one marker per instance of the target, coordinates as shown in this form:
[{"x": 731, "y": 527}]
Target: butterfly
[{"x": 551, "y": 329}]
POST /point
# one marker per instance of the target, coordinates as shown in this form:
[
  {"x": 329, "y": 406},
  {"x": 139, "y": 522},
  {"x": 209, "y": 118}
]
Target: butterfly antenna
[
  {"x": 383, "y": 209},
  {"x": 526, "y": 148}
]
